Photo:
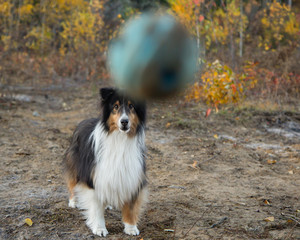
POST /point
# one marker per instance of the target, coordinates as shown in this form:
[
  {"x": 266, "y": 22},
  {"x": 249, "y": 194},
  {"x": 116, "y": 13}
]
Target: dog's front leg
[
  {"x": 130, "y": 217},
  {"x": 131, "y": 212},
  {"x": 93, "y": 209},
  {"x": 95, "y": 219}
]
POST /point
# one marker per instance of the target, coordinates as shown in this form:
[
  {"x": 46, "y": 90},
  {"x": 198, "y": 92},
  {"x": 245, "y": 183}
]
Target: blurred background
[{"x": 250, "y": 48}]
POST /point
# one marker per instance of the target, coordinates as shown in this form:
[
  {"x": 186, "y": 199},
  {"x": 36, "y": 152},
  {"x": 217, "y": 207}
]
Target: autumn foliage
[
  {"x": 220, "y": 85},
  {"x": 42, "y": 26},
  {"x": 257, "y": 52},
  {"x": 246, "y": 47},
  {"x": 55, "y": 39},
  {"x": 279, "y": 27}
]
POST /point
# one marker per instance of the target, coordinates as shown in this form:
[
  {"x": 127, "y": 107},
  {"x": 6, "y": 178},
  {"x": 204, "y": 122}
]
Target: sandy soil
[{"x": 209, "y": 178}]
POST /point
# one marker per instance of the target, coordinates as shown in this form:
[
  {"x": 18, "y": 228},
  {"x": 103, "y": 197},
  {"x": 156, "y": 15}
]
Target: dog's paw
[
  {"x": 131, "y": 229},
  {"x": 72, "y": 203},
  {"x": 100, "y": 231}
]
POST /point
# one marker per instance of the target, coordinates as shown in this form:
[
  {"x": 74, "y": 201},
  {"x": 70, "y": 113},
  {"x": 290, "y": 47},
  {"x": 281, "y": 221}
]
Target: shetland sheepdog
[{"x": 105, "y": 163}]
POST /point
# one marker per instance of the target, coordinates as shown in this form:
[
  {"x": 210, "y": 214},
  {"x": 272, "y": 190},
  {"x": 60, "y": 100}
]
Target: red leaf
[
  {"x": 233, "y": 88},
  {"x": 201, "y": 18},
  {"x": 197, "y": 2},
  {"x": 208, "y": 111}
]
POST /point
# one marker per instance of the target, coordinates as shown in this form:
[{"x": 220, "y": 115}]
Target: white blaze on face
[{"x": 123, "y": 120}]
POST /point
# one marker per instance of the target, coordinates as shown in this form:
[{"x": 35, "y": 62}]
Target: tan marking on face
[
  {"x": 114, "y": 117},
  {"x": 132, "y": 210},
  {"x": 134, "y": 121}
]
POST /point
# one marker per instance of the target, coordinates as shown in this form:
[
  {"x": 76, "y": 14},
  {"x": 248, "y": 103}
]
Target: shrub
[{"x": 218, "y": 86}]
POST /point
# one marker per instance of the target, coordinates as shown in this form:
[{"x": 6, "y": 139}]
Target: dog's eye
[
  {"x": 116, "y": 107},
  {"x": 130, "y": 106}
]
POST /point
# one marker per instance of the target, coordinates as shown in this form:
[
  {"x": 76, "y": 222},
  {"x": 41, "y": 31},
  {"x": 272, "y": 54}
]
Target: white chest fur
[{"x": 119, "y": 165}]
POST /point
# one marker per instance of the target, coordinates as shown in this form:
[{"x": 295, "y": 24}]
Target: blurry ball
[{"x": 154, "y": 56}]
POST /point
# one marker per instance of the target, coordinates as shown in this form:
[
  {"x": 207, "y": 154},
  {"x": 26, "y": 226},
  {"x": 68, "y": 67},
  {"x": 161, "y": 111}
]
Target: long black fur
[
  {"x": 79, "y": 158},
  {"x": 82, "y": 151}
]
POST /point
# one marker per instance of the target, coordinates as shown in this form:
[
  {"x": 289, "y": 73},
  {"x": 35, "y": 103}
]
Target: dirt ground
[{"x": 209, "y": 178}]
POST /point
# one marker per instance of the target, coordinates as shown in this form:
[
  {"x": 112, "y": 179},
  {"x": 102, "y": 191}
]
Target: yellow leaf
[
  {"x": 269, "y": 219},
  {"x": 266, "y": 47},
  {"x": 194, "y": 165},
  {"x": 216, "y": 136},
  {"x": 266, "y": 202},
  {"x": 271, "y": 161},
  {"x": 28, "y": 221},
  {"x": 168, "y": 125}
]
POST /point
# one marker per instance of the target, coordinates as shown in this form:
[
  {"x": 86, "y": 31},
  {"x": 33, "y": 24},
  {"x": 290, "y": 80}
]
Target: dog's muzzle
[{"x": 124, "y": 124}]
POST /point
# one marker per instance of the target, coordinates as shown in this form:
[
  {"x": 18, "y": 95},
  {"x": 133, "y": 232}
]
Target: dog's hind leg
[
  {"x": 71, "y": 184},
  {"x": 71, "y": 176},
  {"x": 131, "y": 212}
]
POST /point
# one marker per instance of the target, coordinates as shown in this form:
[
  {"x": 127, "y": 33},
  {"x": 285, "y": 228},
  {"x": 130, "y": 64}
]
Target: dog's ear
[{"x": 105, "y": 93}]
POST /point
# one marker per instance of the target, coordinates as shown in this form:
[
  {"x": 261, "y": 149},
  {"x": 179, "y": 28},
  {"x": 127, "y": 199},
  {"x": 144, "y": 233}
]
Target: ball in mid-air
[{"x": 154, "y": 56}]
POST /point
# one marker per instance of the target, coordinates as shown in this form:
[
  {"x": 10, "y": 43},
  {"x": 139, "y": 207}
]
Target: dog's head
[{"x": 121, "y": 113}]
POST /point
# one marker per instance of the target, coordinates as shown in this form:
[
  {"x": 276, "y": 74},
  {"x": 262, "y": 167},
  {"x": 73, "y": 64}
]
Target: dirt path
[{"x": 215, "y": 178}]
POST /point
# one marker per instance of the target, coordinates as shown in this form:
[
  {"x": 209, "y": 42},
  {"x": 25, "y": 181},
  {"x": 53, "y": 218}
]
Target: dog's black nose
[{"x": 124, "y": 122}]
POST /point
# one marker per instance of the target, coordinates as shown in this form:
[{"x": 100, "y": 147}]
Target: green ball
[{"x": 154, "y": 56}]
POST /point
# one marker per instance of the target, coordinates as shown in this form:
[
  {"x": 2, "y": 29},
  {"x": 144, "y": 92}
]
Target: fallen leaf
[
  {"x": 269, "y": 219},
  {"x": 237, "y": 118},
  {"x": 22, "y": 153},
  {"x": 291, "y": 172},
  {"x": 271, "y": 161},
  {"x": 208, "y": 111},
  {"x": 194, "y": 165},
  {"x": 266, "y": 202},
  {"x": 216, "y": 136},
  {"x": 168, "y": 125},
  {"x": 28, "y": 221}
]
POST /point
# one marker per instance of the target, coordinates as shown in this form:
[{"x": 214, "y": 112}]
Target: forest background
[{"x": 248, "y": 48}]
